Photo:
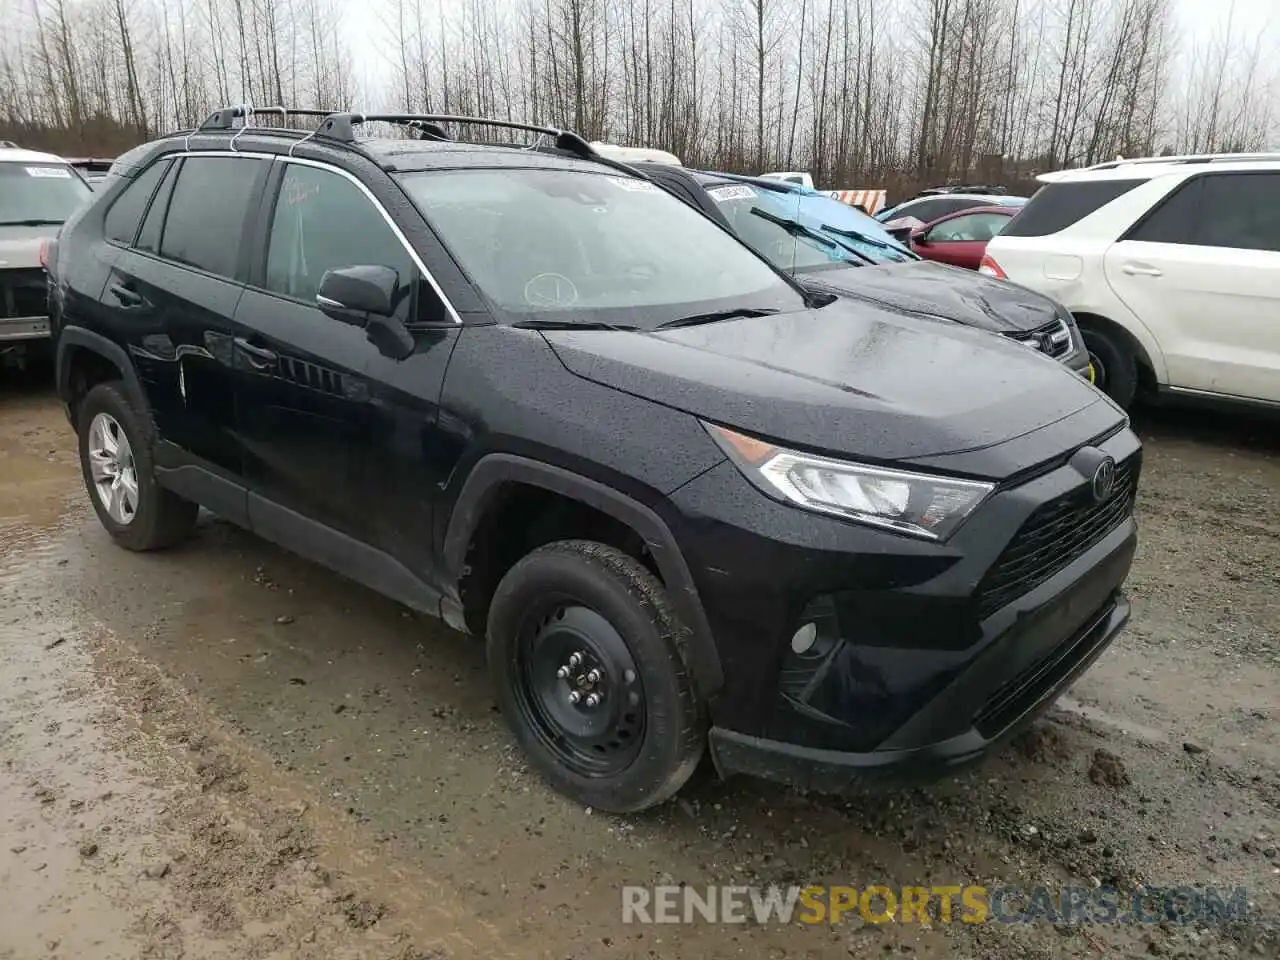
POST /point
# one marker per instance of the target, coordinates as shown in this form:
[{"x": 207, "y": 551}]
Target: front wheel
[{"x": 588, "y": 661}]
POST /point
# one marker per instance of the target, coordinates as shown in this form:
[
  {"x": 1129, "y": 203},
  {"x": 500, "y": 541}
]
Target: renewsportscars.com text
[{"x": 933, "y": 904}]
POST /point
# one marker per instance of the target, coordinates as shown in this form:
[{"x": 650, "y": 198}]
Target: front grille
[
  {"x": 1053, "y": 338},
  {"x": 1054, "y": 535},
  {"x": 22, "y": 293}
]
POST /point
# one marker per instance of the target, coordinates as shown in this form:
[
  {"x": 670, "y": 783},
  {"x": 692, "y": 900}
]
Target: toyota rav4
[{"x": 692, "y": 507}]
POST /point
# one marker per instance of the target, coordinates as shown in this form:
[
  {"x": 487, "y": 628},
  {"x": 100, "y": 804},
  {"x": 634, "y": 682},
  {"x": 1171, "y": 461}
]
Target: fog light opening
[{"x": 805, "y": 638}]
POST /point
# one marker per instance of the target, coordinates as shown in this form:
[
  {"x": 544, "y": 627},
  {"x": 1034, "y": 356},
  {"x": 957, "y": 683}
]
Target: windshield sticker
[
  {"x": 52, "y": 173},
  {"x": 735, "y": 192},
  {"x": 634, "y": 186}
]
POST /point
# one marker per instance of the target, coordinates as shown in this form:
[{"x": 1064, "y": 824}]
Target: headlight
[{"x": 918, "y": 504}]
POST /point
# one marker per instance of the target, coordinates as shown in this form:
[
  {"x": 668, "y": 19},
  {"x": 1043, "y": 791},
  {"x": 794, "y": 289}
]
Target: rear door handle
[
  {"x": 127, "y": 296},
  {"x": 1141, "y": 270},
  {"x": 259, "y": 357}
]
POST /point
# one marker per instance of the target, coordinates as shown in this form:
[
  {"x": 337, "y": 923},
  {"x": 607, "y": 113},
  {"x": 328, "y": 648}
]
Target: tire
[
  {"x": 1114, "y": 363},
  {"x": 159, "y": 517},
  {"x": 644, "y": 739}
]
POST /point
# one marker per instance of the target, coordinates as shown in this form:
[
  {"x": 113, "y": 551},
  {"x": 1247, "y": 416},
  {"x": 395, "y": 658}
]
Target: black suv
[{"x": 522, "y": 387}]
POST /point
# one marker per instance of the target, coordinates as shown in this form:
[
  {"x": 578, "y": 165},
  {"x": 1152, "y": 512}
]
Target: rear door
[
  {"x": 172, "y": 293},
  {"x": 335, "y": 433},
  {"x": 1202, "y": 270}
]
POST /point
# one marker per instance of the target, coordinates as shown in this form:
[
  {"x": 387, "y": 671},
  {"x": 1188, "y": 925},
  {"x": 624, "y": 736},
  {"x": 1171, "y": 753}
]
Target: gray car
[{"x": 38, "y": 191}]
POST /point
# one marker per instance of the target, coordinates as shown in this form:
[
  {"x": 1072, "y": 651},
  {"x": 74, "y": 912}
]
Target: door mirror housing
[
  {"x": 365, "y": 296},
  {"x": 353, "y": 294},
  {"x": 920, "y": 237}
]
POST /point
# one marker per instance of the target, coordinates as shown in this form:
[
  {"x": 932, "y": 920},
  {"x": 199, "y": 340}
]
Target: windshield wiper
[
  {"x": 571, "y": 325},
  {"x": 31, "y": 223},
  {"x": 864, "y": 238},
  {"x": 798, "y": 229},
  {"x": 716, "y": 315}
]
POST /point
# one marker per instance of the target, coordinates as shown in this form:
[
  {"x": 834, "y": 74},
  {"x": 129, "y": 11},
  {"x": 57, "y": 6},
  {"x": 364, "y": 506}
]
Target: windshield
[
  {"x": 803, "y": 232},
  {"x": 39, "y": 193},
  {"x": 584, "y": 247}
]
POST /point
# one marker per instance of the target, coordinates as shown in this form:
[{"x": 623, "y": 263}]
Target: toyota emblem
[{"x": 1104, "y": 479}]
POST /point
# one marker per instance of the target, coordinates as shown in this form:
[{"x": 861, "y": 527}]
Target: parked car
[
  {"x": 93, "y": 169},
  {"x": 905, "y": 218},
  {"x": 1171, "y": 266},
  {"x": 689, "y": 503},
  {"x": 960, "y": 239},
  {"x": 825, "y": 244},
  {"x": 38, "y": 191}
]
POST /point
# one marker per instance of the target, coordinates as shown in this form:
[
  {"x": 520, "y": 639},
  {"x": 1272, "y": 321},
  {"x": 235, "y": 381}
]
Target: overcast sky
[{"x": 1196, "y": 18}]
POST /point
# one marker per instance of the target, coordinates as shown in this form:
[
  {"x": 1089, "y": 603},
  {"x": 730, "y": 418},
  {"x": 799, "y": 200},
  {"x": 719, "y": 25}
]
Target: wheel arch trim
[
  {"x": 496, "y": 470},
  {"x": 70, "y": 337}
]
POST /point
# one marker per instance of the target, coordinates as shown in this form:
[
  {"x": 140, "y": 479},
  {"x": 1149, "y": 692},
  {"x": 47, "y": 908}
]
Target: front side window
[
  {"x": 1240, "y": 211},
  {"x": 585, "y": 246},
  {"x": 208, "y": 210},
  {"x": 970, "y": 227},
  {"x": 322, "y": 222},
  {"x": 34, "y": 194}
]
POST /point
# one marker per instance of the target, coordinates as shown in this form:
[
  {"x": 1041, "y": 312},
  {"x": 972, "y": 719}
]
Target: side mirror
[
  {"x": 920, "y": 237},
  {"x": 352, "y": 294},
  {"x": 365, "y": 296}
]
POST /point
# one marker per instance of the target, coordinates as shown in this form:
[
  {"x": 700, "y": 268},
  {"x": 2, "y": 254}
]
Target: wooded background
[{"x": 859, "y": 92}]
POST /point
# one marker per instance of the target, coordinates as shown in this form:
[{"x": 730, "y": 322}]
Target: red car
[{"x": 960, "y": 238}]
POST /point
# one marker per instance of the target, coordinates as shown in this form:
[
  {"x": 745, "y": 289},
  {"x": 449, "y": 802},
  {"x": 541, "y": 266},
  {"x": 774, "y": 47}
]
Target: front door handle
[
  {"x": 1141, "y": 270},
  {"x": 259, "y": 357},
  {"x": 127, "y": 297}
]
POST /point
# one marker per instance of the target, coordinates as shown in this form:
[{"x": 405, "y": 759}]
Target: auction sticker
[
  {"x": 634, "y": 186},
  {"x": 49, "y": 173},
  {"x": 738, "y": 191}
]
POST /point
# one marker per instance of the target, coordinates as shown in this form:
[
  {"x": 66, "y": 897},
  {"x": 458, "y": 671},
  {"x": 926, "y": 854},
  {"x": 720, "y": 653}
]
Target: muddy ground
[{"x": 225, "y": 751}]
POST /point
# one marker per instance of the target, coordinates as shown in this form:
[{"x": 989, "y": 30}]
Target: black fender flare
[
  {"x": 70, "y": 337},
  {"x": 494, "y": 470}
]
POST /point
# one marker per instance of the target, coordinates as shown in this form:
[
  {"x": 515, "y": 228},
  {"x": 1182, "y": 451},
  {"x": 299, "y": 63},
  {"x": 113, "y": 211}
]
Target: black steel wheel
[
  {"x": 588, "y": 663},
  {"x": 579, "y": 689}
]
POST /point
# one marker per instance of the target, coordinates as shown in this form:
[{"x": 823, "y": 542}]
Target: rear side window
[
  {"x": 207, "y": 212},
  {"x": 1057, "y": 206},
  {"x": 122, "y": 219},
  {"x": 1240, "y": 211},
  {"x": 149, "y": 235}
]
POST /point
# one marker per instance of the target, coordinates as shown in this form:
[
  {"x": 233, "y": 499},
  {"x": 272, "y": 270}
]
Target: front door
[
  {"x": 332, "y": 429},
  {"x": 1202, "y": 271}
]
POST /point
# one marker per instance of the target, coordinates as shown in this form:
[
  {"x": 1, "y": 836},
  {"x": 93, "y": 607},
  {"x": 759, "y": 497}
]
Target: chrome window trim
[{"x": 320, "y": 165}]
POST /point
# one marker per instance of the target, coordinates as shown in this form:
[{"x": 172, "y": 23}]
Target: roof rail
[
  {"x": 225, "y": 119},
  {"x": 341, "y": 126},
  {"x": 1188, "y": 158}
]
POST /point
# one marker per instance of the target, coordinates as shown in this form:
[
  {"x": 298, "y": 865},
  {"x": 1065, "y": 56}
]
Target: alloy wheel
[{"x": 112, "y": 468}]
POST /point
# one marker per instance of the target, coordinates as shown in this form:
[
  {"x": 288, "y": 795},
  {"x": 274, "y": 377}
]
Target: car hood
[
  {"x": 938, "y": 290},
  {"x": 850, "y": 378},
  {"x": 20, "y": 246}
]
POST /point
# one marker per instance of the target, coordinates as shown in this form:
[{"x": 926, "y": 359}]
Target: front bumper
[
  {"x": 1010, "y": 710},
  {"x": 19, "y": 329},
  {"x": 928, "y": 654}
]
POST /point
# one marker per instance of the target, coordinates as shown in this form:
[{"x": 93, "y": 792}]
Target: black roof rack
[{"x": 340, "y": 126}]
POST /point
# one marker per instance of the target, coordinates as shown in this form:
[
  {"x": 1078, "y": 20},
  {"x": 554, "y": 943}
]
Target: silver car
[{"x": 38, "y": 191}]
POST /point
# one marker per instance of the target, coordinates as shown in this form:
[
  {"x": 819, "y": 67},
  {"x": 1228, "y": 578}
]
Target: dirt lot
[{"x": 224, "y": 751}]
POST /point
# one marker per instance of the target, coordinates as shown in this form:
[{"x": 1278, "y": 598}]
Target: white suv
[{"x": 1171, "y": 266}]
